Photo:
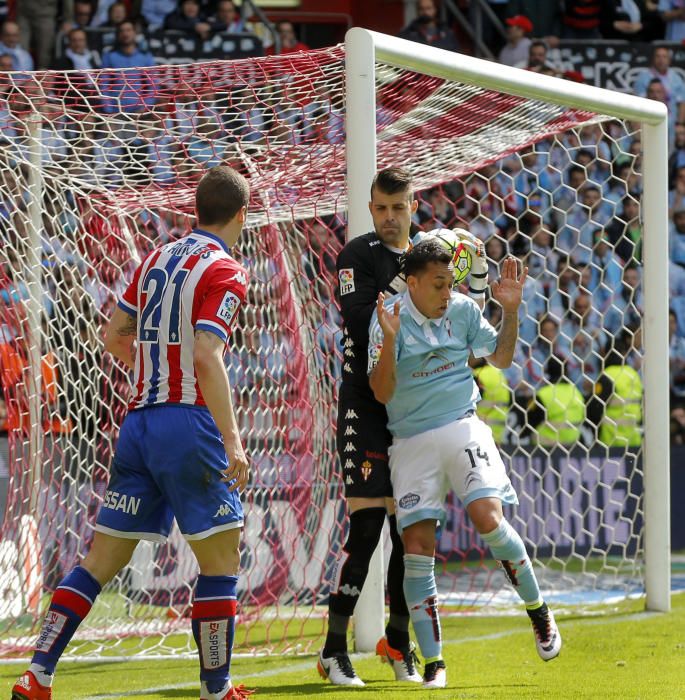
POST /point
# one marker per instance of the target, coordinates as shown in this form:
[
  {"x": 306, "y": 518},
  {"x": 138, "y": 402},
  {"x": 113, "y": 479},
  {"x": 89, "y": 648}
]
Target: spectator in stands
[
  {"x": 673, "y": 16},
  {"x": 615, "y": 409},
  {"x": 493, "y": 407},
  {"x": 227, "y": 18},
  {"x": 37, "y": 20},
  {"x": 427, "y": 28},
  {"x": 537, "y": 58},
  {"x": 676, "y": 196},
  {"x": 660, "y": 69},
  {"x": 546, "y": 345},
  {"x": 576, "y": 238},
  {"x": 676, "y": 346},
  {"x": 558, "y": 411},
  {"x": 626, "y": 303},
  {"x": 289, "y": 41},
  {"x": 153, "y": 12},
  {"x": 82, "y": 16},
  {"x": 188, "y": 18},
  {"x": 77, "y": 56},
  {"x": 9, "y": 44},
  {"x": 606, "y": 271},
  {"x": 632, "y": 20},
  {"x": 545, "y": 16},
  {"x": 581, "y": 341},
  {"x": 581, "y": 19},
  {"x": 677, "y": 236},
  {"x": 676, "y": 280},
  {"x": 515, "y": 51},
  {"x": 116, "y": 14},
  {"x": 677, "y": 158},
  {"x": 133, "y": 92},
  {"x": 625, "y": 231}
]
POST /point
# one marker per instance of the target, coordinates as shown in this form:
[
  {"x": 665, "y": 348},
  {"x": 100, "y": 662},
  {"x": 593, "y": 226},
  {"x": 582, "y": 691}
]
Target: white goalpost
[{"x": 366, "y": 52}]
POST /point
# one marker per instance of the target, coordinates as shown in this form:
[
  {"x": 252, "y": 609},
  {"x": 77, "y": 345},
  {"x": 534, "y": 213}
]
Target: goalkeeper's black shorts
[{"x": 363, "y": 440}]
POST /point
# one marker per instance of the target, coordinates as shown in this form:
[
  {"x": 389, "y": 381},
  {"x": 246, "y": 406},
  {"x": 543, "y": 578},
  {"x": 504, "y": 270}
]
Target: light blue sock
[
  {"x": 507, "y": 547},
  {"x": 422, "y": 600}
]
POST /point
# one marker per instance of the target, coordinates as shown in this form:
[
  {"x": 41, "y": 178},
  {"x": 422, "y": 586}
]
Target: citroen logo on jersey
[{"x": 425, "y": 370}]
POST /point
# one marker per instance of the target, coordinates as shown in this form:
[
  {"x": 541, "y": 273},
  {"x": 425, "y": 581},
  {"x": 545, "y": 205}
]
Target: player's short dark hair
[
  {"x": 392, "y": 180},
  {"x": 418, "y": 258},
  {"x": 221, "y": 194}
]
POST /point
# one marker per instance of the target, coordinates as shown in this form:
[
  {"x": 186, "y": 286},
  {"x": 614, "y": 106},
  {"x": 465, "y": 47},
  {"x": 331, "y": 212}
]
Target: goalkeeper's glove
[{"x": 478, "y": 279}]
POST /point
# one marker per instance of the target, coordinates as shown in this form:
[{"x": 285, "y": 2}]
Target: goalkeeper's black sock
[
  {"x": 366, "y": 526},
  {"x": 70, "y": 604},
  {"x": 397, "y": 629},
  {"x": 214, "y": 610}
]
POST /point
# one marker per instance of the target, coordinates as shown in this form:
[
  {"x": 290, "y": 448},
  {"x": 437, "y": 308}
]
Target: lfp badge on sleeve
[{"x": 346, "y": 276}]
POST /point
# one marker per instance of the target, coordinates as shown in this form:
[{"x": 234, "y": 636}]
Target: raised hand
[
  {"x": 508, "y": 291},
  {"x": 389, "y": 322}
]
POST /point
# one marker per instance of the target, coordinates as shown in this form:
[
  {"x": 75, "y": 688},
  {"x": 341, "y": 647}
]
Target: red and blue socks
[
  {"x": 214, "y": 610},
  {"x": 71, "y": 602},
  {"x": 422, "y": 600}
]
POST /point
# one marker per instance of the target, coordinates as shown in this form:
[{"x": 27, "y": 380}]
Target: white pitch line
[{"x": 292, "y": 668}]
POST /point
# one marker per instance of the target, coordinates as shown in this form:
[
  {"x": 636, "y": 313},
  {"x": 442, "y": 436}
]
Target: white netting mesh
[{"x": 120, "y": 153}]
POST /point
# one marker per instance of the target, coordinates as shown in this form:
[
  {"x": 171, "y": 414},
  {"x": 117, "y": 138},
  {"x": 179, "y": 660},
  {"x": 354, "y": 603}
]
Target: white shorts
[{"x": 461, "y": 455}]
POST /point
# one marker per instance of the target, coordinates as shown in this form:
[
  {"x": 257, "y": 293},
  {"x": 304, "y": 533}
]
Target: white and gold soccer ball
[{"x": 452, "y": 241}]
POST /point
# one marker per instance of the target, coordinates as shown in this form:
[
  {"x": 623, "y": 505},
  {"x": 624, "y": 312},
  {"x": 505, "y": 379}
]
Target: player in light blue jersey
[{"x": 419, "y": 346}]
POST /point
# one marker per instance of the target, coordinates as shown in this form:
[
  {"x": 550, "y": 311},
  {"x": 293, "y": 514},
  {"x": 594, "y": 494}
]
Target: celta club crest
[{"x": 367, "y": 467}]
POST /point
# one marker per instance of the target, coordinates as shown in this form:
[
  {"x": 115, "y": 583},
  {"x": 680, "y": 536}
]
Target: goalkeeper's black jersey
[{"x": 365, "y": 268}]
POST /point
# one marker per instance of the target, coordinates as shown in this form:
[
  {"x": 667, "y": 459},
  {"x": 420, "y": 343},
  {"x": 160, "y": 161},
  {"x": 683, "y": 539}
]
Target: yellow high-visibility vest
[
  {"x": 496, "y": 397},
  {"x": 621, "y": 426},
  {"x": 565, "y": 407}
]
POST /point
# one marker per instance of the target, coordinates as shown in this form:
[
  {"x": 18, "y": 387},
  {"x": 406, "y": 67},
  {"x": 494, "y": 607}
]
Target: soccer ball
[{"x": 461, "y": 254}]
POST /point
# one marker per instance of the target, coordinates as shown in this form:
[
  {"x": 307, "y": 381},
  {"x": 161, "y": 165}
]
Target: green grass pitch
[{"x": 630, "y": 655}]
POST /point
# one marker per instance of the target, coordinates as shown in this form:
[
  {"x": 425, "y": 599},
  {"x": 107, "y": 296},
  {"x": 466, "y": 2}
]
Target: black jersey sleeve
[{"x": 357, "y": 287}]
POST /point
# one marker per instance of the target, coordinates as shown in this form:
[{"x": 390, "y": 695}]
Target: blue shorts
[{"x": 167, "y": 463}]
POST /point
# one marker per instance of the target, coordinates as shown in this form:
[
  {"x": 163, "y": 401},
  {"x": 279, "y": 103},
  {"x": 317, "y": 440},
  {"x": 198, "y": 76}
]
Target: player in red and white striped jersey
[
  {"x": 179, "y": 452},
  {"x": 192, "y": 284}
]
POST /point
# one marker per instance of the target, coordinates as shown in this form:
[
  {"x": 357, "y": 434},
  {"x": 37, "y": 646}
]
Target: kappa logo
[
  {"x": 223, "y": 510},
  {"x": 240, "y": 278},
  {"x": 349, "y": 464},
  {"x": 352, "y": 591},
  {"x": 347, "y": 367},
  {"x": 346, "y": 278},
  {"x": 350, "y": 414},
  {"x": 409, "y": 500},
  {"x": 349, "y": 480},
  {"x": 350, "y": 431},
  {"x": 348, "y": 353},
  {"x": 349, "y": 447},
  {"x": 349, "y": 343}
]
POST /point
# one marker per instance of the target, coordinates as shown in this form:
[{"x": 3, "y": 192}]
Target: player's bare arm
[
  {"x": 120, "y": 337},
  {"x": 508, "y": 292},
  {"x": 208, "y": 357},
  {"x": 383, "y": 378}
]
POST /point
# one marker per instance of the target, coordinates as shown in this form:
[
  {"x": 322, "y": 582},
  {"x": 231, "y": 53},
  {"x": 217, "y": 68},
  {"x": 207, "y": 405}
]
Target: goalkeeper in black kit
[{"x": 367, "y": 265}]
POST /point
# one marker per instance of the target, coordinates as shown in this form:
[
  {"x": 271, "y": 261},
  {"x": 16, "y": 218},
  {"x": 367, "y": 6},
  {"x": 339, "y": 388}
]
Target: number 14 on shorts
[{"x": 478, "y": 455}]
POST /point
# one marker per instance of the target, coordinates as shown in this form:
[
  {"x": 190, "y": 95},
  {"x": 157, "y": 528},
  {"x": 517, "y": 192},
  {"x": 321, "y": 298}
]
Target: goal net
[{"x": 99, "y": 167}]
